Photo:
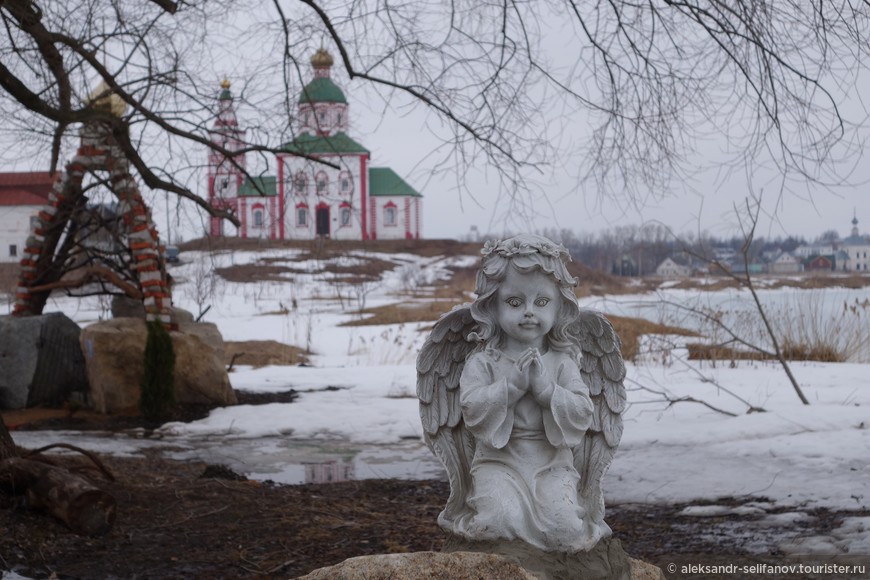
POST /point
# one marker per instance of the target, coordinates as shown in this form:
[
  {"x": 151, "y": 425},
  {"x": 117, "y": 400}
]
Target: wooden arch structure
[{"x": 39, "y": 273}]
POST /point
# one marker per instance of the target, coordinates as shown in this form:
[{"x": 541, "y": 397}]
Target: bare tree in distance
[
  {"x": 748, "y": 217},
  {"x": 648, "y": 82}
]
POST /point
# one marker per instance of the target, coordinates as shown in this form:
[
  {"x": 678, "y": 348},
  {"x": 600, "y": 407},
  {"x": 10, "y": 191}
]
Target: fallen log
[{"x": 84, "y": 508}]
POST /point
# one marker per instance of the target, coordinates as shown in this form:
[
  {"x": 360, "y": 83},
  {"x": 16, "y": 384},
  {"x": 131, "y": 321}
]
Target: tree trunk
[
  {"x": 84, "y": 508},
  {"x": 7, "y": 446}
]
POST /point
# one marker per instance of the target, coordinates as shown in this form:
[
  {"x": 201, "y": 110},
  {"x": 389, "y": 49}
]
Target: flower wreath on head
[{"x": 513, "y": 247}]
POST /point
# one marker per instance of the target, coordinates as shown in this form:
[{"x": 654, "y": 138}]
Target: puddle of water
[
  {"x": 285, "y": 461},
  {"x": 291, "y": 461}
]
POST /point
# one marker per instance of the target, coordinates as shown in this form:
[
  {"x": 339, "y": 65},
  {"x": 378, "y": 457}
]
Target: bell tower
[{"x": 225, "y": 170}]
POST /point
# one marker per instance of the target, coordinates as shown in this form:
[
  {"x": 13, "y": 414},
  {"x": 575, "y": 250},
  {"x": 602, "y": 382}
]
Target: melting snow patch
[
  {"x": 855, "y": 533},
  {"x": 785, "y": 519},
  {"x": 812, "y": 545},
  {"x": 706, "y": 511}
]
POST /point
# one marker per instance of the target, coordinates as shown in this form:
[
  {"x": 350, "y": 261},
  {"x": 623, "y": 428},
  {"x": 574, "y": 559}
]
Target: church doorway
[{"x": 321, "y": 221}]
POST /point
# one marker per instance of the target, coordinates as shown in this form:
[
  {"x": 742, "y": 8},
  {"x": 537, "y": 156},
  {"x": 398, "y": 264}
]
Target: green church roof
[
  {"x": 308, "y": 144},
  {"x": 259, "y": 186},
  {"x": 322, "y": 90},
  {"x": 385, "y": 181}
]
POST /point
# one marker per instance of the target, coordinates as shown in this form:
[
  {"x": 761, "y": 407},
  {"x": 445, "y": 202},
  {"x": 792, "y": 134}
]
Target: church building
[
  {"x": 325, "y": 184},
  {"x": 857, "y": 249}
]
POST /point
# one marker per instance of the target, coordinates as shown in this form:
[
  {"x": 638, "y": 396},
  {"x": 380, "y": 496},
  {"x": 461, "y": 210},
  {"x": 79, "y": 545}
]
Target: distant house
[
  {"x": 857, "y": 249},
  {"x": 22, "y": 195},
  {"x": 785, "y": 263},
  {"x": 624, "y": 266},
  {"x": 809, "y": 250},
  {"x": 770, "y": 255},
  {"x": 673, "y": 268},
  {"x": 841, "y": 261},
  {"x": 738, "y": 266},
  {"x": 820, "y": 263},
  {"x": 724, "y": 254}
]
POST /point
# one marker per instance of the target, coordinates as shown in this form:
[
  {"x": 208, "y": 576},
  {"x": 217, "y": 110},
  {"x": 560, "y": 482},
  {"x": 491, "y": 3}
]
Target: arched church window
[
  {"x": 258, "y": 218},
  {"x": 322, "y": 183},
  {"x": 302, "y": 216},
  {"x": 221, "y": 185},
  {"x": 300, "y": 183},
  {"x": 390, "y": 215},
  {"x": 344, "y": 214},
  {"x": 346, "y": 182}
]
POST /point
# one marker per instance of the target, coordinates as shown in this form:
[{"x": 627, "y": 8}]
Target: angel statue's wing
[
  {"x": 439, "y": 366},
  {"x": 603, "y": 371}
]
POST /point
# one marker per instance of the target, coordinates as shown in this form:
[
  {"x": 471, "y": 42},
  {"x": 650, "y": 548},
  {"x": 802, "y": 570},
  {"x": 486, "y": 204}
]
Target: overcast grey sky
[{"x": 702, "y": 200}]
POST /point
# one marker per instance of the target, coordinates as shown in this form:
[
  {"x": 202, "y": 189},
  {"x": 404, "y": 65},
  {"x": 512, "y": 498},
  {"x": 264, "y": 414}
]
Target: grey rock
[
  {"x": 114, "y": 353},
  {"x": 606, "y": 561},
  {"x": 451, "y": 566},
  {"x": 418, "y": 565},
  {"x": 41, "y": 362}
]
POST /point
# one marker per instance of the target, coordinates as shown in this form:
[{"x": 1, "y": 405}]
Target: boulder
[
  {"x": 126, "y": 307},
  {"x": 453, "y": 565},
  {"x": 605, "y": 561},
  {"x": 114, "y": 351},
  {"x": 641, "y": 570},
  {"x": 414, "y": 565},
  {"x": 40, "y": 361}
]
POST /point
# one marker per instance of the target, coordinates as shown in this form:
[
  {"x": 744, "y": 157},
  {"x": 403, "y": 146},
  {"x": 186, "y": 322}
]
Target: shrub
[{"x": 157, "y": 397}]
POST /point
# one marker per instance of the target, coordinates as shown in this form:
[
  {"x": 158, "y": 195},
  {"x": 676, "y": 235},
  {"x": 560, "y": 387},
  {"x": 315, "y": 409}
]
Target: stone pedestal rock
[
  {"x": 40, "y": 361},
  {"x": 114, "y": 351},
  {"x": 452, "y": 566}
]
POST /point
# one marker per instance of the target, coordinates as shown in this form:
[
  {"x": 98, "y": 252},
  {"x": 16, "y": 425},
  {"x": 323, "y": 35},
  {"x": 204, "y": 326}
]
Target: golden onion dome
[
  {"x": 103, "y": 98},
  {"x": 225, "y": 84},
  {"x": 321, "y": 59}
]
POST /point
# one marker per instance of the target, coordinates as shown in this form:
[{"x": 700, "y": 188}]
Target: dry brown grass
[
  {"x": 328, "y": 248},
  {"x": 818, "y": 352},
  {"x": 403, "y": 312},
  {"x": 459, "y": 287},
  {"x": 792, "y": 352},
  {"x": 807, "y": 281},
  {"x": 597, "y": 283},
  {"x": 261, "y": 353},
  {"x": 253, "y": 273},
  {"x": 699, "y": 351},
  {"x": 630, "y": 330},
  {"x": 281, "y": 270}
]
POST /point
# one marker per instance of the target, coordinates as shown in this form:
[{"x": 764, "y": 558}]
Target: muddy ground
[{"x": 193, "y": 520}]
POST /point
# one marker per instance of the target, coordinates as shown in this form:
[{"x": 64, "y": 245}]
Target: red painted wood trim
[
  {"x": 363, "y": 192},
  {"x": 281, "y": 197},
  {"x": 243, "y": 214}
]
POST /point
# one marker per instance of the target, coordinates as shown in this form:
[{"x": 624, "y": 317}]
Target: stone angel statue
[{"x": 521, "y": 395}]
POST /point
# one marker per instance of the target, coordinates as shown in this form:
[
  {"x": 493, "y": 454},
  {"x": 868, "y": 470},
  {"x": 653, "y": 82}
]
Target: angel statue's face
[{"x": 528, "y": 304}]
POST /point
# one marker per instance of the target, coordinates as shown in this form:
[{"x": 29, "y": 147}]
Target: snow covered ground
[{"x": 796, "y": 457}]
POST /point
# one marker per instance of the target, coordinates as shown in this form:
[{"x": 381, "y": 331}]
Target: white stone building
[
  {"x": 22, "y": 195},
  {"x": 670, "y": 268},
  {"x": 857, "y": 250},
  {"x": 785, "y": 263},
  {"x": 325, "y": 184}
]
